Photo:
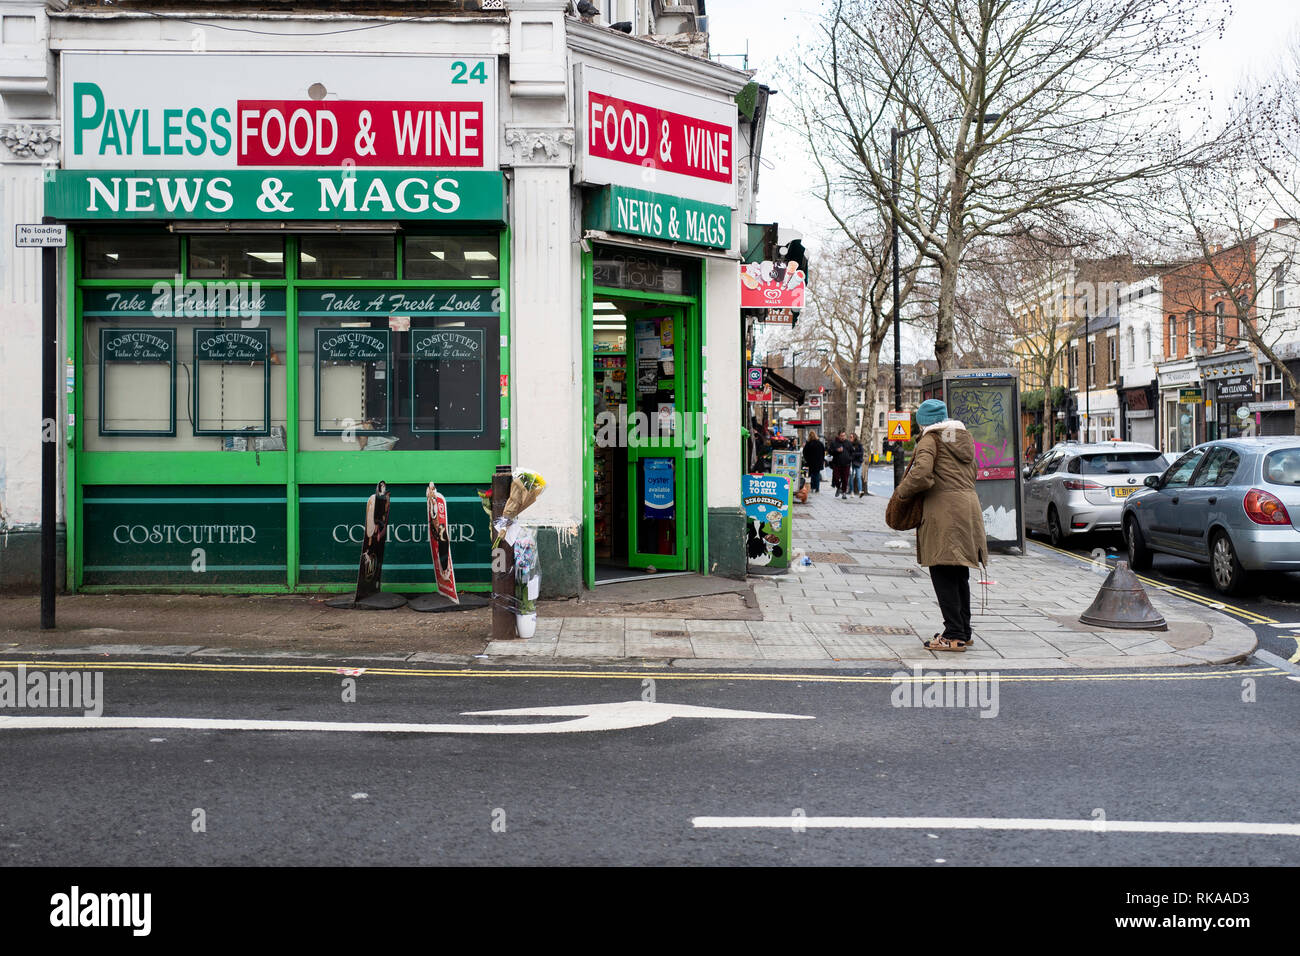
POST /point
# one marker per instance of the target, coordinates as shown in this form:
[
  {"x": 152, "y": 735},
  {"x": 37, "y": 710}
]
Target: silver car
[
  {"x": 1076, "y": 488},
  {"x": 1233, "y": 504}
]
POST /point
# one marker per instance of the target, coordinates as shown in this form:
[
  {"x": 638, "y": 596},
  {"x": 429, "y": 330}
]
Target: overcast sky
[
  {"x": 1256, "y": 33},
  {"x": 766, "y": 29}
]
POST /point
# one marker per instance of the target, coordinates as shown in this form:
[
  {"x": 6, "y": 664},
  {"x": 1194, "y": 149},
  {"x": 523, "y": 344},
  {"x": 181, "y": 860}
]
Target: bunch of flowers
[{"x": 525, "y": 488}]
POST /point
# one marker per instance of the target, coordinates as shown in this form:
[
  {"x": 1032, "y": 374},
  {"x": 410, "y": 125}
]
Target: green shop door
[{"x": 656, "y": 455}]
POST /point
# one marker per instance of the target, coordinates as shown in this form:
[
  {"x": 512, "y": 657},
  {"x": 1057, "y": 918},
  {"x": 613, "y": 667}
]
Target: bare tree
[{"x": 1022, "y": 109}]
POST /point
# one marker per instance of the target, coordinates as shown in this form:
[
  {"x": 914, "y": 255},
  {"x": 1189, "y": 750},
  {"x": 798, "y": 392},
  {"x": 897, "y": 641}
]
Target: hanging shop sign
[
  {"x": 382, "y": 303},
  {"x": 1189, "y": 396},
  {"x": 650, "y": 136},
  {"x": 761, "y": 394},
  {"x": 640, "y": 212},
  {"x": 660, "y": 501},
  {"x": 332, "y": 528},
  {"x": 777, "y": 317},
  {"x": 222, "y": 111},
  {"x": 766, "y": 499},
  {"x": 195, "y": 535},
  {"x": 346, "y": 194},
  {"x": 771, "y": 285}
]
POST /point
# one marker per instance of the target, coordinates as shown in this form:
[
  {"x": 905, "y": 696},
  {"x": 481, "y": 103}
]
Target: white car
[{"x": 1076, "y": 488}]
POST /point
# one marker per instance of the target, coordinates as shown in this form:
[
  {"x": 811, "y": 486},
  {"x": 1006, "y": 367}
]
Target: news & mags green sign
[
  {"x": 660, "y": 216},
  {"x": 344, "y": 194}
]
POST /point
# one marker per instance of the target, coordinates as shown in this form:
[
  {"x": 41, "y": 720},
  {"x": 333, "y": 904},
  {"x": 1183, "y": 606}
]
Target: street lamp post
[{"x": 896, "y": 134}]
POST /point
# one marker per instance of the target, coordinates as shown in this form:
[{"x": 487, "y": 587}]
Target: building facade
[{"x": 310, "y": 251}]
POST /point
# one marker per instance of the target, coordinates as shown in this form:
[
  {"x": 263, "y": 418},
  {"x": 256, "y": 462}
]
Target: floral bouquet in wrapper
[
  {"x": 485, "y": 499},
  {"x": 525, "y": 488}
]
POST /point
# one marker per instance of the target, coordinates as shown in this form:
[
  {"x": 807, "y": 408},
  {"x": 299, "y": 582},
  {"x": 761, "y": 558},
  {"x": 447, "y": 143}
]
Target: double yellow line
[{"x": 1183, "y": 673}]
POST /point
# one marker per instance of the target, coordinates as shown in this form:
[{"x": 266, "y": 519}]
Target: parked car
[
  {"x": 1079, "y": 487},
  {"x": 1233, "y": 504}
]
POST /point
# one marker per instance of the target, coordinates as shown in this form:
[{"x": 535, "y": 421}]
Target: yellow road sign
[{"x": 900, "y": 429}]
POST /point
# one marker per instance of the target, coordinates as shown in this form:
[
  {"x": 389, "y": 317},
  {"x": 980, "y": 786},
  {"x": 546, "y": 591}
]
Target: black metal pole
[
  {"x": 898, "y": 342},
  {"x": 49, "y": 427},
  {"x": 503, "y": 563},
  {"x": 1087, "y": 380}
]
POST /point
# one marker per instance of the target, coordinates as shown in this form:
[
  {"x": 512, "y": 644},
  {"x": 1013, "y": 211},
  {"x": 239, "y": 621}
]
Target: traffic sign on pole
[
  {"x": 37, "y": 235},
  {"x": 900, "y": 426}
]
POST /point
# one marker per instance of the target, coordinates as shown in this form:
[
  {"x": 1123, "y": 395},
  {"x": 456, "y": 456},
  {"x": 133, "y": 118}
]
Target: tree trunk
[
  {"x": 945, "y": 322},
  {"x": 873, "y": 443}
]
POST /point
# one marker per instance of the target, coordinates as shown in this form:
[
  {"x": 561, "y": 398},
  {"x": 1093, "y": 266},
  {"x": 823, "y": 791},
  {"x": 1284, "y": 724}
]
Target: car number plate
[{"x": 1122, "y": 492}]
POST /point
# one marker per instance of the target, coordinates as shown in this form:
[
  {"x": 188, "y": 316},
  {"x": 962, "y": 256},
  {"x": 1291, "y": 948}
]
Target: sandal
[{"x": 941, "y": 643}]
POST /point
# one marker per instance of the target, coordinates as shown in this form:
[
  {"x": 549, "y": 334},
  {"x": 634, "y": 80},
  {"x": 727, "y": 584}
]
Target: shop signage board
[
  {"x": 382, "y": 303},
  {"x": 332, "y": 522},
  {"x": 640, "y": 212},
  {"x": 232, "y": 345},
  {"x": 1284, "y": 406},
  {"x": 193, "y": 535},
  {"x": 771, "y": 285},
  {"x": 648, "y": 136},
  {"x": 766, "y": 499},
  {"x": 336, "y": 194},
  {"x": 1239, "y": 386},
  {"x": 1189, "y": 396},
  {"x": 763, "y": 394},
  {"x": 352, "y": 345},
  {"x": 222, "y": 111},
  {"x": 754, "y": 377},
  {"x": 786, "y": 464}
]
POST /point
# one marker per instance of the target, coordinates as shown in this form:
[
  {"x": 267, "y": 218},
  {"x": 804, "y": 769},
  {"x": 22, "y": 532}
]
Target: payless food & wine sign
[{"x": 280, "y": 136}]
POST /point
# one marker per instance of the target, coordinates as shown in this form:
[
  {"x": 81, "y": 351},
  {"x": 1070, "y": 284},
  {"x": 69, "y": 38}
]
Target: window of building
[
  {"x": 1270, "y": 377},
  {"x": 1279, "y": 288},
  {"x": 1173, "y": 337},
  {"x": 1220, "y": 326},
  {"x": 1132, "y": 344},
  {"x": 1113, "y": 363},
  {"x": 452, "y": 257},
  {"x": 347, "y": 257},
  {"x": 131, "y": 256},
  {"x": 236, "y": 257},
  {"x": 1092, "y": 364},
  {"x": 1191, "y": 332},
  {"x": 1148, "y": 334}
]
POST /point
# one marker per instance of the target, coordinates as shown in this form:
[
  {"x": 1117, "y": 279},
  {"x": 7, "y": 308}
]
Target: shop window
[
  {"x": 347, "y": 257},
  {"x": 645, "y": 272},
  {"x": 452, "y": 257},
  {"x": 137, "y": 381},
  {"x": 232, "y": 382},
  {"x": 131, "y": 256},
  {"x": 353, "y": 363},
  {"x": 236, "y": 257}
]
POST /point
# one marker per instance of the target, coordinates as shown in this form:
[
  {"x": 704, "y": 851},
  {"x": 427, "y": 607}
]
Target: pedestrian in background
[
  {"x": 858, "y": 456},
  {"x": 814, "y": 456},
  {"x": 950, "y": 540},
  {"x": 841, "y": 454}
]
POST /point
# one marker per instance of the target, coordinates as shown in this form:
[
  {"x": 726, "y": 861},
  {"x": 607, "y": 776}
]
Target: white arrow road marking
[
  {"x": 995, "y": 823},
  {"x": 616, "y": 716}
]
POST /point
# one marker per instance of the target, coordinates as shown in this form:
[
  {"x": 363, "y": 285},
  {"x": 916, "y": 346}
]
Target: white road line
[
  {"x": 994, "y": 823},
  {"x": 587, "y": 717},
  {"x": 1287, "y": 627}
]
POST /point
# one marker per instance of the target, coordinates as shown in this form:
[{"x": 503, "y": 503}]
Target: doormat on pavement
[
  {"x": 875, "y": 629},
  {"x": 830, "y": 557},
  {"x": 882, "y": 572}
]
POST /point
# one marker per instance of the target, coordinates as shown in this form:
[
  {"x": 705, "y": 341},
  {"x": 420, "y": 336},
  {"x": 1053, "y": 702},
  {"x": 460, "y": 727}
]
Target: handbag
[{"x": 904, "y": 514}]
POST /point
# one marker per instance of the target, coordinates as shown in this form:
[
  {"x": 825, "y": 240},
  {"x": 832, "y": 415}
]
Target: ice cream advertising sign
[
  {"x": 655, "y": 138},
  {"x": 771, "y": 285},
  {"x": 219, "y": 111}
]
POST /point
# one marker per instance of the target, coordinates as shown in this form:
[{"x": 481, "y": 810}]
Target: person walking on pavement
[
  {"x": 858, "y": 456},
  {"x": 841, "y": 454},
  {"x": 814, "y": 456},
  {"x": 950, "y": 540}
]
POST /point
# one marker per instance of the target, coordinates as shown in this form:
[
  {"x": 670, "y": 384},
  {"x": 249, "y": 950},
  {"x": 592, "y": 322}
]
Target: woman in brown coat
[{"x": 950, "y": 540}]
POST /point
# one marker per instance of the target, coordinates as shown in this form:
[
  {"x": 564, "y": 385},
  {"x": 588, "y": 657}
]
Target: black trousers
[{"x": 952, "y": 588}]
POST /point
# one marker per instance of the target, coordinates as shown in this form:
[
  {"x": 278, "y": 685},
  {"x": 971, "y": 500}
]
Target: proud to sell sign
[{"x": 221, "y": 111}]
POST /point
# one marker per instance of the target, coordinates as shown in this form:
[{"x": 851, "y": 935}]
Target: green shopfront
[{"x": 250, "y": 350}]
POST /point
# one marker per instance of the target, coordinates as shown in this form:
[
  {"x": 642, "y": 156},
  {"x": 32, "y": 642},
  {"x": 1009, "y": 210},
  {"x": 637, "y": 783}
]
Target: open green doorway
[{"x": 641, "y": 405}]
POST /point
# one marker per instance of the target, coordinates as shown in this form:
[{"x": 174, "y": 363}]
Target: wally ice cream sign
[{"x": 772, "y": 285}]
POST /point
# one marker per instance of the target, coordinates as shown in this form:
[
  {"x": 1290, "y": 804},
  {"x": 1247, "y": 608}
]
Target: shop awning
[{"x": 786, "y": 387}]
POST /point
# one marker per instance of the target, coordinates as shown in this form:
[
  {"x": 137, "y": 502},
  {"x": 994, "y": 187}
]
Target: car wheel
[
  {"x": 1054, "y": 530},
  {"x": 1229, "y": 575},
  {"x": 1139, "y": 556}
]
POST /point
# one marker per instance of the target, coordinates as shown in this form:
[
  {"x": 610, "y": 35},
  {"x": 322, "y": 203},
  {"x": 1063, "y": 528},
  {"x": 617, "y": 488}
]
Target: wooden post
[{"x": 503, "y": 563}]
